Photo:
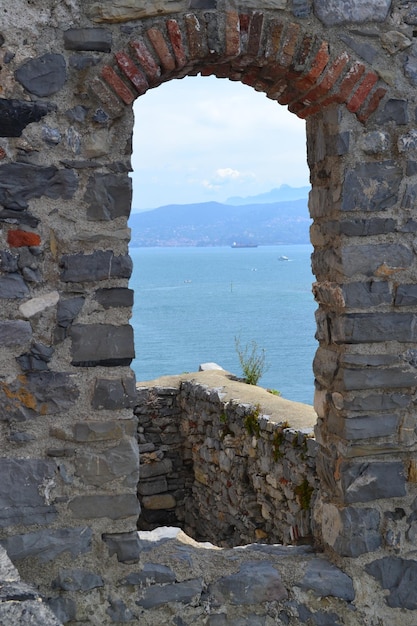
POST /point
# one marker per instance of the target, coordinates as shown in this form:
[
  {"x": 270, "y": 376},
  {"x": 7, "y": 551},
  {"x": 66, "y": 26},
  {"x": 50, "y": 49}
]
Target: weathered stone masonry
[{"x": 69, "y": 72}]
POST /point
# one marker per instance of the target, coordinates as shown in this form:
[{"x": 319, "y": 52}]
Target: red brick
[
  {"x": 107, "y": 97},
  {"x": 372, "y": 105},
  {"x": 253, "y": 79},
  {"x": 289, "y": 44},
  {"x": 290, "y": 93},
  {"x": 161, "y": 48},
  {"x": 221, "y": 71},
  {"x": 196, "y": 36},
  {"x": 274, "y": 92},
  {"x": 20, "y": 238},
  {"x": 362, "y": 92},
  {"x": 175, "y": 37},
  {"x": 255, "y": 33},
  {"x": 133, "y": 73},
  {"x": 349, "y": 81},
  {"x": 328, "y": 81},
  {"x": 232, "y": 34},
  {"x": 274, "y": 39},
  {"x": 2, "y": 153},
  {"x": 244, "y": 21},
  {"x": 121, "y": 89},
  {"x": 316, "y": 68},
  {"x": 305, "y": 111},
  {"x": 304, "y": 50},
  {"x": 146, "y": 60}
]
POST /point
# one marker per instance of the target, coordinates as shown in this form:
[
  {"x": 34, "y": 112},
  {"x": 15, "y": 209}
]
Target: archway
[{"x": 65, "y": 197}]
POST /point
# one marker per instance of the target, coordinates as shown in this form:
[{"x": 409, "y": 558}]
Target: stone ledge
[{"x": 297, "y": 414}]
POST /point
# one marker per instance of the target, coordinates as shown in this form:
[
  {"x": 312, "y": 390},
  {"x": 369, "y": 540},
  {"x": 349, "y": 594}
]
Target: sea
[{"x": 193, "y": 303}]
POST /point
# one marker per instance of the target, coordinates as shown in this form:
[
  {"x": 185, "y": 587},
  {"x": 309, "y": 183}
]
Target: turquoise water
[{"x": 191, "y": 303}]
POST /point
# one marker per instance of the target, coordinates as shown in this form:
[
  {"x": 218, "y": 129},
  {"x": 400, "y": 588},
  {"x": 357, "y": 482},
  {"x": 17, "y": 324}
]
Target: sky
[{"x": 207, "y": 139}]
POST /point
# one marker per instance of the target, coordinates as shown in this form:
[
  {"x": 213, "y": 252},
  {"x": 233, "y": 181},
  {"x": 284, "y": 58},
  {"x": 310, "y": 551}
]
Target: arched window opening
[{"x": 218, "y": 145}]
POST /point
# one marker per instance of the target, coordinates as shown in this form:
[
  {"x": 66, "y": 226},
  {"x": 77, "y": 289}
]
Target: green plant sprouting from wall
[
  {"x": 277, "y": 441},
  {"x": 251, "y": 422},
  {"x": 304, "y": 491},
  {"x": 252, "y": 361}
]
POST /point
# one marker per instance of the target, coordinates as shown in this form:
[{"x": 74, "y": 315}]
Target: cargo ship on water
[{"x": 235, "y": 244}]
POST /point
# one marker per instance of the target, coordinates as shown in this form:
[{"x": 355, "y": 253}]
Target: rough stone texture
[
  {"x": 232, "y": 467},
  {"x": 108, "y": 196},
  {"x": 44, "y": 75},
  {"x": 47, "y": 545},
  {"x": 20, "y": 182},
  {"x": 15, "y": 115},
  {"x": 69, "y": 74},
  {"x": 21, "y": 498},
  {"x": 100, "y": 265},
  {"x": 101, "y": 344},
  {"x": 332, "y": 12}
]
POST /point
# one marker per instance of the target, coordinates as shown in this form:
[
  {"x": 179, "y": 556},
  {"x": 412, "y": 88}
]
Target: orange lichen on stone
[
  {"x": 20, "y": 238},
  {"x": 21, "y": 395}
]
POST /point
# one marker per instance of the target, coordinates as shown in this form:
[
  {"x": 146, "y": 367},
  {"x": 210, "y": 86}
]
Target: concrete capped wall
[{"x": 69, "y": 74}]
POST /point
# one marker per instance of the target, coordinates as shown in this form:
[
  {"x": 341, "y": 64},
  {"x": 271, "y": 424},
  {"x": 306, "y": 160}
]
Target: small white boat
[{"x": 283, "y": 258}]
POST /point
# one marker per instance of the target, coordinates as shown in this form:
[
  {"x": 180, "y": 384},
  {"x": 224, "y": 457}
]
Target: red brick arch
[{"x": 274, "y": 56}]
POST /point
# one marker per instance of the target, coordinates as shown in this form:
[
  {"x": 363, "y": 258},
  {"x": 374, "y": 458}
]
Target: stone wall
[
  {"x": 227, "y": 463},
  {"x": 69, "y": 73}
]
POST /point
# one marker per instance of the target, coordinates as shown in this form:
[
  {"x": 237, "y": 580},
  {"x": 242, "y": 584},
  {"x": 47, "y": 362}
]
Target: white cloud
[{"x": 185, "y": 127}]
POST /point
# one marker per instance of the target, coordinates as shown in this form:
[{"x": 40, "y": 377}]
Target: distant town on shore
[{"x": 272, "y": 218}]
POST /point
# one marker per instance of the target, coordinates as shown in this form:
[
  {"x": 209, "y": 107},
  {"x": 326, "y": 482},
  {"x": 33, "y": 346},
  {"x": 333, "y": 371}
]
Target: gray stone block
[
  {"x": 371, "y": 186},
  {"x": 399, "y": 577},
  {"x": 88, "y": 39},
  {"x": 13, "y": 286},
  {"x": 38, "y": 393},
  {"x": 113, "y": 394},
  {"x": 15, "y": 115},
  {"x": 332, "y": 12},
  {"x": 373, "y": 378},
  {"x": 150, "y": 574},
  {"x": 8, "y": 262},
  {"x": 362, "y": 295},
  {"x": 108, "y": 197},
  {"x": 20, "y": 182},
  {"x": 366, "y": 259},
  {"x": 325, "y": 579},
  {"x": 406, "y": 295},
  {"x": 186, "y": 592},
  {"x": 394, "y": 110},
  {"x": 36, "y": 359},
  {"x": 149, "y": 470},
  {"x": 14, "y": 332},
  {"x": 44, "y": 75},
  {"x": 126, "y": 546},
  {"x": 121, "y": 461},
  {"x": 373, "y": 480},
  {"x": 47, "y": 545},
  {"x": 68, "y": 310},
  {"x": 352, "y": 531},
  {"x": 256, "y": 582},
  {"x": 100, "y": 265},
  {"x": 64, "y": 609},
  {"x": 374, "y": 328},
  {"x": 151, "y": 487},
  {"x": 113, "y": 507},
  {"x": 254, "y": 620},
  {"x": 366, "y": 228},
  {"x": 77, "y": 580},
  {"x": 115, "y": 297},
  {"x": 364, "y": 50},
  {"x": 118, "y": 611},
  {"x": 27, "y": 613},
  {"x": 21, "y": 499},
  {"x": 363, "y": 427},
  {"x": 377, "y": 402},
  {"x": 102, "y": 344}
]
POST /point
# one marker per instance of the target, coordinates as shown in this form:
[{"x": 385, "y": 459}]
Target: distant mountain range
[{"x": 254, "y": 220}]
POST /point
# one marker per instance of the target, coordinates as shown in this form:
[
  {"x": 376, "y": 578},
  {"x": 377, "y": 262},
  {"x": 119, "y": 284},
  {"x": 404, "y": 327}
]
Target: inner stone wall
[{"x": 69, "y": 459}]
